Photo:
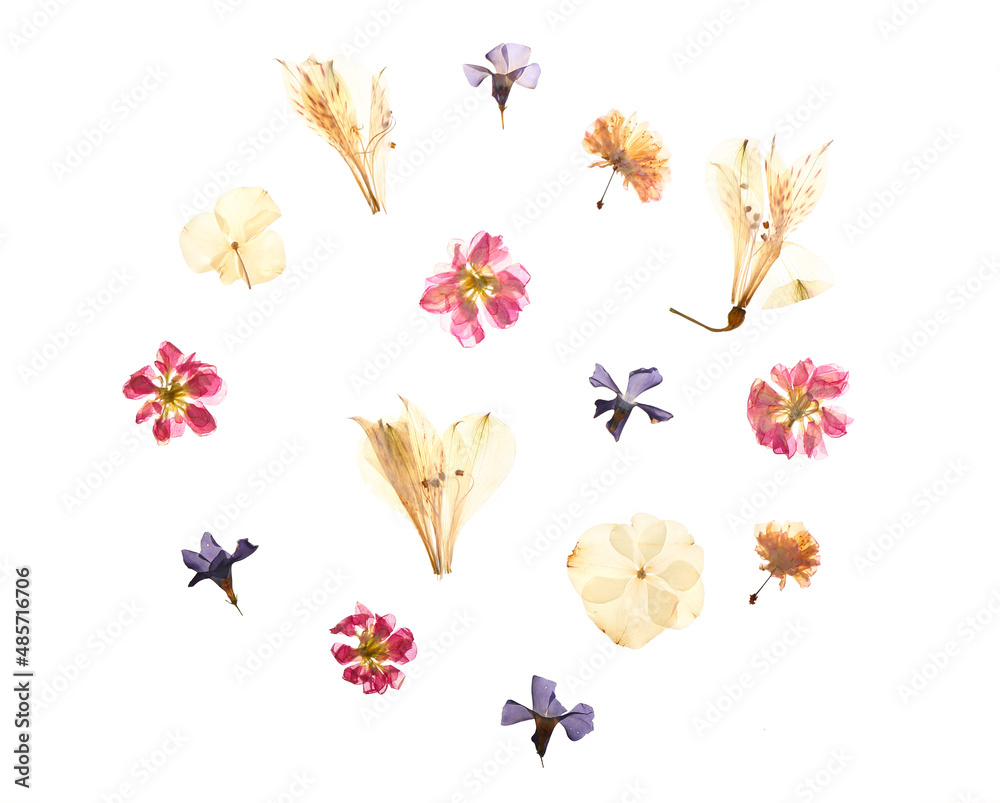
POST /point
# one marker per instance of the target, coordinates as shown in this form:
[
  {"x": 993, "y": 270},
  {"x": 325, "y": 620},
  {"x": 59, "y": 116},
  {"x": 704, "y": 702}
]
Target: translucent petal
[
  {"x": 244, "y": 212},
  {"x": 793, "y": 192},
  {"x": 798, "y": 274},
  {"x": 600, "y": 590},
  {"x": 735, "y": 186},
  {"x": 487, "y": 457},
  {"x": 203, "y": 244},
  {"x": 378, "y": 136},
  {"x": 624, "y": 541},
  {"x": 263, "y": 257},
  {"x": 651, "y": 533}
]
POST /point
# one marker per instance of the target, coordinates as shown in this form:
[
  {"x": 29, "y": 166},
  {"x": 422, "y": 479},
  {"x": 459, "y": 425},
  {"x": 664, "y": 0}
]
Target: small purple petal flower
[
  {"x": 639, "y": 381},
  {"x": 511, "y": 64},
  {"x": 215, "y": 564},
  {"x": 547, "y": 713}
]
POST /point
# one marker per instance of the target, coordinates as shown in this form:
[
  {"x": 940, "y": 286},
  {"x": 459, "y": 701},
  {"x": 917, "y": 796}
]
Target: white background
[{"x": 833, "y": 677}]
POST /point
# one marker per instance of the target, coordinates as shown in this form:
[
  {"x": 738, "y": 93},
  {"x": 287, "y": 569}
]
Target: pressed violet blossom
[
  {"x": 547, "y": 712},
  {"x": 213, "y": 563},
  {"x": 639, "y": 381},
  {"x": 788, "y": 550},
  {"x": 793, "y": 417},
  {"x": 637, "y": 581},
  {"x": 482, "y": 277},
  {"x": 369, "y": 665},
  {"x": 632, "y": 150},
  {"x": 438, "y": 481},
  {"x": 511, "y": 64},
  {"x": 766, "y": 265},
  {"x": 177, "y": 393},
  {"x": 234, "y": 240}
]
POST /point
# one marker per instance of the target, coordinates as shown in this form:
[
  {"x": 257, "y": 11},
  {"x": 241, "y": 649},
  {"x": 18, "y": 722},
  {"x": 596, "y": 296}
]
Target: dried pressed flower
[
  {"x": 788, "y": 551},
  {"x": 766, "y": 265},
  {"x": 639, "y": 381},
  {"x": 332, "y": 99},
  {"x": 378, "y": 644},
  {"x": 511, "y": 64},
  {"x": 794, "y": 417},
  {"x": 486, "y": 278},
  {"x": 438, "y": 481},
  {"x": 213, "y": 563},
  {"x": 637, "y": 581},
  {"x": 180, "y": 388},
  {"x": 234, "y": 240},
  {"x": 632, "y": 150},
  {"x": 547, "y": 712}
]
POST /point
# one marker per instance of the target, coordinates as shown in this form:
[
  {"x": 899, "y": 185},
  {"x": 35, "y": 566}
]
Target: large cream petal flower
[
  {"x": 637, "y": 581},
  {"x": 234, "y": 240}
]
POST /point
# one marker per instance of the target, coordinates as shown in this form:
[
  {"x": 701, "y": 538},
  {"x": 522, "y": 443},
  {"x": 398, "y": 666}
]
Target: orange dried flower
[
  {"x": 788, "y": 551},
  {"x": 631, "y": 149}
]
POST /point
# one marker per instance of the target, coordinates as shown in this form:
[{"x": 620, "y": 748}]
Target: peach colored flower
[
  {"x": 788, "y": 551},
  {"x": 632, "y": 150}
]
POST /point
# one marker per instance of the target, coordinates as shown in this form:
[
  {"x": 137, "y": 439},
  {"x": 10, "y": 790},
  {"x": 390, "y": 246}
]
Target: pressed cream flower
[
  {"x": 766, "y": 265},
  {"x": 438, "y": 481},
  {"x": 631, "y": 149},
  {"x": 234, "y": 240},
  {"x": 637, "y": 581},
  {"x": 788, "y": 550},
  {"x": 330, "y": 100}
]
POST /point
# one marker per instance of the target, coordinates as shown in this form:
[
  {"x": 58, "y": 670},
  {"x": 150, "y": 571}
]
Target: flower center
[
  {"x": 234, "y": 246},
  {"x": 172, "y": 394},
  {"x": 641, "y": 574},
  {"x": 800, "y": 407},
  {"x": 477, "y": 284},
  {"x": 371, "y": 650}
]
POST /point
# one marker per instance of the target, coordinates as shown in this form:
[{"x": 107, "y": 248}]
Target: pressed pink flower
[
  {"x": 377, "y": 645},
  {"x": 793, "y": 418},
  {"x": 483, "y": 276},
  {"x": 179, "y": 390}
]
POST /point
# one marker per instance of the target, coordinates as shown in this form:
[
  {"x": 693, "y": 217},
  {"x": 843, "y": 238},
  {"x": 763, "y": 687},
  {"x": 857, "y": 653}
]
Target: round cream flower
[{"x": 636, "y": 581}]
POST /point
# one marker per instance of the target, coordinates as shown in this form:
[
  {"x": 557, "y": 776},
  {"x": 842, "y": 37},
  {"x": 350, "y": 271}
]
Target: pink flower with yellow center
[
  {"x": 180, "y": 388},
  {"x": 794, "y": 417},
  {"x": 377, "y": 645},
  {"x": 482, "y": 277}
]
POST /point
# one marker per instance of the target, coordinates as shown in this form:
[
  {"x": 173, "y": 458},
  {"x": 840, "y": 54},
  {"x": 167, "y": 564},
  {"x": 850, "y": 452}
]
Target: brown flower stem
[
  {"x": 736, "y": 317},
  {"x": 753, "y": 597},
  {"x": 243, "y": 268},
  {"x": 600, "y": 203},
  {"x": 502, "y": 109}
]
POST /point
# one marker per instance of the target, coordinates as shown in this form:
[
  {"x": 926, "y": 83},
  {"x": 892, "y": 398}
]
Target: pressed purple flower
[
  {"x": 215, "y": 564},
  {"x": 548, "y": 712},
  {"x": 639, "y": 381},
  {"x": 511, "y": 64}
]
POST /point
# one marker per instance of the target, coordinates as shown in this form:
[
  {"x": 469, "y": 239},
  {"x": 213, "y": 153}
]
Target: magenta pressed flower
[
  {"x": 177, "y": 393},
  {"x": 369, "y": 665},
  {"x": 484, "y": 276},
  {"x": 794, "y": 417},
  {"x": 547, "y": 712}
]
